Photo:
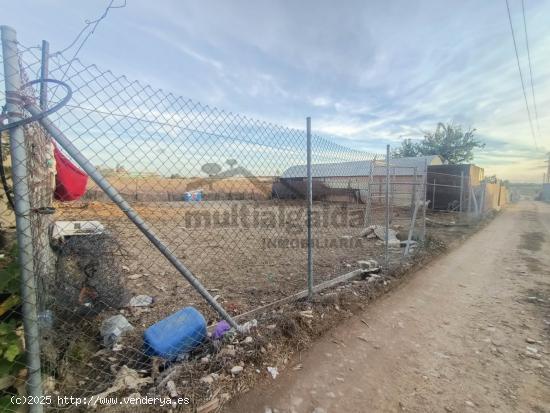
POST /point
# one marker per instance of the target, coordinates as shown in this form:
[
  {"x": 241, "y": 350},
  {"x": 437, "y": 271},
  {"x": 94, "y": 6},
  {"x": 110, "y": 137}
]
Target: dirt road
[{"x": 468, "y": 333}]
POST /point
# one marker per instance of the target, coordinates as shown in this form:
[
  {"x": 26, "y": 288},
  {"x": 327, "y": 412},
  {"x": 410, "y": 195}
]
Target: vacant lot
[{"x": 246, "y": 253}]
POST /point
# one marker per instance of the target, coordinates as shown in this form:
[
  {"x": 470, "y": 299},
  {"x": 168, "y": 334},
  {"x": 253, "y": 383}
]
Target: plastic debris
[
  {"x": 221, "y": 328},
  {"x": 175, "y": 336},
  {"x": 248, "y": 326},
  {"x": 273, "y": 371},
  {"x": 113, "y": 328}
]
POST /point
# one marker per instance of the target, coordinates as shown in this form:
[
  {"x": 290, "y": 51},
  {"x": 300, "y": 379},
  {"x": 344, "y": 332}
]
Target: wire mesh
[{"x": 224, "y": 192}]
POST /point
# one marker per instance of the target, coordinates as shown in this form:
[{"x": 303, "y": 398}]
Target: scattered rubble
[
  {"x": 379, "y": 232},
  {"x": 248, "y": 326},
  {"x": 140, "y": 301},
  {"x": 368, "y": 265},
  {"x": 126, "y": 379},
  {"x": 172, "y": 390}
]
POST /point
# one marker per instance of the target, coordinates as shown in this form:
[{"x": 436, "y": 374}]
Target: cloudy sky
[{"x": 371, "y": 72}]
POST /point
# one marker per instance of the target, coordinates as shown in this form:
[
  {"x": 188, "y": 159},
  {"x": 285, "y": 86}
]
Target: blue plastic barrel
[
  {"x": 192, "y": 196},
  {"x": 176, "y": 334}
]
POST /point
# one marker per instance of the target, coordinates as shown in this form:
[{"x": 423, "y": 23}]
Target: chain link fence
[{"x": 144, "y": 219}]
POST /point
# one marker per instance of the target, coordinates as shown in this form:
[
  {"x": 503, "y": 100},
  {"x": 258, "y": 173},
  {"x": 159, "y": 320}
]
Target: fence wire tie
[{"x": 19, "y": 99}]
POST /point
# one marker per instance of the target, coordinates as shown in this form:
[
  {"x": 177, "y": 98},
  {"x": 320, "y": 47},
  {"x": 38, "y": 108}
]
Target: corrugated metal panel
[{"x": 403, "y": 166}]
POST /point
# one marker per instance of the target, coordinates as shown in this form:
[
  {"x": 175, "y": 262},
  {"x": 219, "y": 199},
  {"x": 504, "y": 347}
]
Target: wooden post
[{"x": 41, "y": 182}]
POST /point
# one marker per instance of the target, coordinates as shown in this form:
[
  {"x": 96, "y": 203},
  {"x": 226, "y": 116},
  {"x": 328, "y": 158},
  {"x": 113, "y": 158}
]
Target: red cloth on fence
[{"x": 70, "y": 181}]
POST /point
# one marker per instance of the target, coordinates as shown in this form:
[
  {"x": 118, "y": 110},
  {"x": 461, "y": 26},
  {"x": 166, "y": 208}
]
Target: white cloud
[{"x": 374, "y": 72}]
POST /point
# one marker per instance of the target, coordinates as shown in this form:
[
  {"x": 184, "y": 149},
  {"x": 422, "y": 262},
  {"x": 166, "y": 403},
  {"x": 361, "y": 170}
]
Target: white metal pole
[
  {"x": 44, "y": 68},
  {"x": 387, "y": 215},
  {"x": 309, "y": 212},
  {"x": 424, "y": 206},
  {"x": 23, "y": 211}
]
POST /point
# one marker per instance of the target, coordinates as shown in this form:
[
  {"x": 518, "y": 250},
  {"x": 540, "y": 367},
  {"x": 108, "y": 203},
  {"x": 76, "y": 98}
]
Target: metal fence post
[
  {"x": 482, "y": 199},
  {"x": 461, "y": 190},
  {"x": 414, "y": 195},
  {"x": 113, "y": 194},
  {"x": 22, "y": 214},
  {"x": 309, "y": 212},
  {"x": 44, "y": 74},
  {"x": 387, "y": 215},
  {"x": 367, "y": 220},
  {"x": 433, "y": 195},
  {"x": 425, "y": 206},
  {"x": 469, "y": 194}
]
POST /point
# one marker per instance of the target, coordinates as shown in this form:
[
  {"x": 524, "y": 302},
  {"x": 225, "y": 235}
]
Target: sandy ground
[
  {"x": 470, "y": 332},
  {"x": 246, "y": 267}
]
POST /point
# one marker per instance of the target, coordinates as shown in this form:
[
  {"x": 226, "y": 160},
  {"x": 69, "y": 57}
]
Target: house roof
[{"x": 403, "y": 166}]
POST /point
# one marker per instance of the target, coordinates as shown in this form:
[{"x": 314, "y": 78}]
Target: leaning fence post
[
  {"x": 387, "y": 214},
  {"x": 113, "y": 194},
  {"x": 309, "y": 211},
  {"x": 22, "y": 215}
]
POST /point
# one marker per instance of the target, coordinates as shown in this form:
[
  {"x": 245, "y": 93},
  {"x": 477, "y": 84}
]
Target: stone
[
  {"x": 228, "y": 351},
  {"x": 248, "y": 340},
  {"x": 172, "y": 390},
  {"x": 236, "y": 370},
  {"x": 140, "y": 301},
  {"x": 367, "y": 231},
  {"x": 207, "y": 379},
  {"x": 273, "y": 371},
  {"x": 368, "y": 264}
]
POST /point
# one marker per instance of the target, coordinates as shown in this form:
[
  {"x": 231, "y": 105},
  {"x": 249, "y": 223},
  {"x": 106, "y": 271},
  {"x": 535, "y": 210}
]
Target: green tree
[
  {"x": 450, "y": 141},
  {"x": 408, "y": 149}
]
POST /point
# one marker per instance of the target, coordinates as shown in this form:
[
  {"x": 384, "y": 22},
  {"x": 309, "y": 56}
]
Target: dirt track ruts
[{"x": 470, "y": 332}]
